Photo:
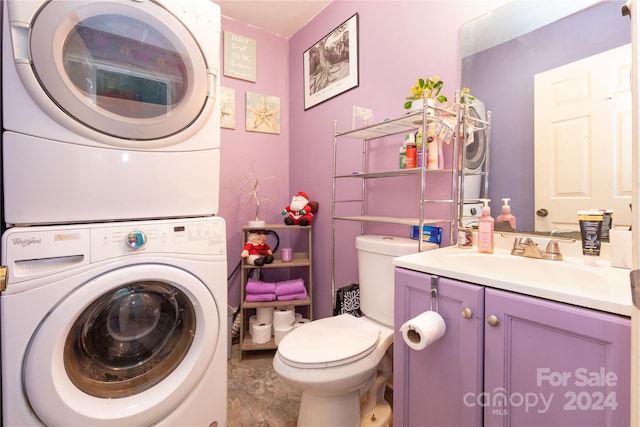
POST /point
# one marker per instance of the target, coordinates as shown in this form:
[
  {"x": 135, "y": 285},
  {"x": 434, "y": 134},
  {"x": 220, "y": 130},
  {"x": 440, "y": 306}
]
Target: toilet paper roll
[
  {"x": 423, "y": 330},
  {"x": 261, "y": 333},
  {"x": 252, "y": 321},
  {"x": 264, "y": 314},
  {"x": 300, "y": 322},
  {"x": 279, "y": 333},
  {"x": 283, "y": 317},
  {"x": 298, "y": 316}
]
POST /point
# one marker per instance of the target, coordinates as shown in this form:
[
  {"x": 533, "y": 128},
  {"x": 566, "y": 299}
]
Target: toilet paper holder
[{"x": 434, "y": 292}]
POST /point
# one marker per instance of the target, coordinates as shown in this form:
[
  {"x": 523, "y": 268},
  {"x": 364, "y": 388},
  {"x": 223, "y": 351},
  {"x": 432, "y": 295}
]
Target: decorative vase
[{"x": 418, "y": 104}]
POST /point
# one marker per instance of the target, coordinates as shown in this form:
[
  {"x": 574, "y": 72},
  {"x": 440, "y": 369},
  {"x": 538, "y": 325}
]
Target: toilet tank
[{"x": 376, "y": 272}]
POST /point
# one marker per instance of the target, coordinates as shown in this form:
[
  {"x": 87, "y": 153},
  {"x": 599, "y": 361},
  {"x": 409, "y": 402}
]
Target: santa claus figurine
[
  {"x": 300, "y": 211},
  {"x": 256, "y": 250}
]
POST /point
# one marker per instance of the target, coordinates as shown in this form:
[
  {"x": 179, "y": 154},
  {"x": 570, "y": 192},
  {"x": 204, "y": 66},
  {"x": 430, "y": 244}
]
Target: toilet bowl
[
  {"x": 331, "y": 361},
  {"x": 341, "y": 364}
]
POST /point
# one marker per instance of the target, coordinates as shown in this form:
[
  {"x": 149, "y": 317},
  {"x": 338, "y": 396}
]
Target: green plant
[
  {"x": 432, "y": 86},
  {"x": 465, "y": 95}
]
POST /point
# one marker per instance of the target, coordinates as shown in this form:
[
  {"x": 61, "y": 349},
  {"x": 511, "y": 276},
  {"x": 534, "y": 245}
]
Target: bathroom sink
[
  {"x": 504, "y": 266},
  {"x": 595, "y": 286}
]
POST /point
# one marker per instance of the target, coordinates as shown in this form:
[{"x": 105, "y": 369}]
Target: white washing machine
[
  {"x": 115, "y": 324},
  {"x": 110, "y": 109}
]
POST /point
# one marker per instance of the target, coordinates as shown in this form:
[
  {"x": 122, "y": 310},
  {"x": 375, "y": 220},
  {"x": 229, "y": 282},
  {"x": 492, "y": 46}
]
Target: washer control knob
[{"x": 136, "y": 239}]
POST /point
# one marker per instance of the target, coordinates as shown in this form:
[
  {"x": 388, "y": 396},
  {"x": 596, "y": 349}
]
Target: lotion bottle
[
  {"x": 506, "y": 214},
  {"x": 485, "y": 229}
]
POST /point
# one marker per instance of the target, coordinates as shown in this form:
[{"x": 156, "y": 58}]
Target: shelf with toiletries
[
  {"x": 299, "y": 264},
  {"x": 437, "y": 179}
]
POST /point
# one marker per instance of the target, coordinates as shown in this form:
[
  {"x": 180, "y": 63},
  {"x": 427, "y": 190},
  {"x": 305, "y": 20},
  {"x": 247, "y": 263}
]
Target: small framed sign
[{"x": 239, "y": 56}]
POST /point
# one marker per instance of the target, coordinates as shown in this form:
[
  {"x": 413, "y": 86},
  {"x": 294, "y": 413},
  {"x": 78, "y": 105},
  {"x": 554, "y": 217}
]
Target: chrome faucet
[{"x": 526, "y": 247}]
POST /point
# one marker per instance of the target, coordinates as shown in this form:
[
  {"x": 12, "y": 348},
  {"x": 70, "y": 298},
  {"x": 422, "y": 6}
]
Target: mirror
[{"x": 501, "y": 52}]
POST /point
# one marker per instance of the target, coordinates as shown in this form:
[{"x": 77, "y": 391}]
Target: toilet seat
[{"x": 329, "y": 342}]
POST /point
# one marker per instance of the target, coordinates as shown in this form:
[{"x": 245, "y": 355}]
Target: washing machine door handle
[{"x": 3, "y": 278}]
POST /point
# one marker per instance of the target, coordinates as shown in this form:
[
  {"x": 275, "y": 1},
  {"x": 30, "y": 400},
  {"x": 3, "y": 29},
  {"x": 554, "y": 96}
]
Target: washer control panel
[{"x": 204, "y": 236}]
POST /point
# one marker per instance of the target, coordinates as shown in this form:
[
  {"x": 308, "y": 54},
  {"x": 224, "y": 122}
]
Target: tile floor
[{"x": 257, "y": 397}]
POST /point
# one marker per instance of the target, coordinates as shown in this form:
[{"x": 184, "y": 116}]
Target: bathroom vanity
[{"x": 527, "y": 342}]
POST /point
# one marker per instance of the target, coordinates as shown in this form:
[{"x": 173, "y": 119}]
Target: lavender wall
[
  {"x": 399, "y": 41},
  {"x": 243, "y": 153},
  {"x": 513, "y": 65}
]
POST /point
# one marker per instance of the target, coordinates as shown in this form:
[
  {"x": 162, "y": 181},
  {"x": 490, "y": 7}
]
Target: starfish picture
[{"x": 263, "y": 113}]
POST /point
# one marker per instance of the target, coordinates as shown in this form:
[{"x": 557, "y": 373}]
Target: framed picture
[
  {"x": 263, "y": 113},
  {"x": 227, "y": 107},
  {"x": 331, "y": 65}
]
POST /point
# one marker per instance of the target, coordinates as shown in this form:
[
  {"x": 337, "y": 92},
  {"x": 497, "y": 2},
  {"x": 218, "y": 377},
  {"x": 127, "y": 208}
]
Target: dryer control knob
[{"x": 136, "y": 239}]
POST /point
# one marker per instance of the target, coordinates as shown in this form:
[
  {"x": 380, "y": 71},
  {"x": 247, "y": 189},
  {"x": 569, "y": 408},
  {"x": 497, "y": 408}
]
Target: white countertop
[{"x": 608, "y": 291}]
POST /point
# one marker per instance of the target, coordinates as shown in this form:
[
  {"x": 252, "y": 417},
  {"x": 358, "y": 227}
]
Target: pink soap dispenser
[
  {"x": 506, "y": 216},
  {"x": 485, "y": 229}
]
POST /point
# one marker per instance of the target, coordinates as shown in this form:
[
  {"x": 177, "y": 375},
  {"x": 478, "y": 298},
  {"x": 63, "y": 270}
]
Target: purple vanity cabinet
[
  {"x": 429, "y": 384},
  {"x": 508, "y": 360},
  {"x": 553, "y": 364}
]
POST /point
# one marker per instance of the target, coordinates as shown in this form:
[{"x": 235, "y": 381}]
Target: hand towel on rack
[
  {"x": 291, "y": 297},
  {"x": 255, "y": 286},
  {"x": 288, "y": 287},
  {"x": 260, "y": 297}
]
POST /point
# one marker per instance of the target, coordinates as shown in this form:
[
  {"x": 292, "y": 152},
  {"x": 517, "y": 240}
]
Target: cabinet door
[
  {"x": 430, "y": 384},
  {"x": 552, "y": 364}
]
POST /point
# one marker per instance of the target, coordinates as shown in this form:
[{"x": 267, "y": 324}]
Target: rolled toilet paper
[
  {"x": 279, "y": 333},
  {"x": 264, "y": 314},
  {"x": 423, "y": 330},
  {"x": 283, "y": 317},
  {"x": 301, "y": 321},
  {"x": 298, "y": 316},
  {"x": 261, "y": 333},
  {"x": 252, "y": 321}
]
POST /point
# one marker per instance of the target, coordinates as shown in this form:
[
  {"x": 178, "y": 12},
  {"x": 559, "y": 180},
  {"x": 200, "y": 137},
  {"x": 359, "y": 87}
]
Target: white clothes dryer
[
  {"x": 110, "y": 109},
  {"x": 115, "y": 324}
]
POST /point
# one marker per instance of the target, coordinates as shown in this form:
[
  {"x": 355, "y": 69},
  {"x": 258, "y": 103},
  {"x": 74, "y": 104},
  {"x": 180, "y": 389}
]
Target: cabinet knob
[
  {"x": 467, "y": 313},
  {"x": 492, "y": 320}
]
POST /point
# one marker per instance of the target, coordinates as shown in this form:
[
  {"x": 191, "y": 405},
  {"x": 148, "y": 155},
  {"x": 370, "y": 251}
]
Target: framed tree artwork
[{"x": 331, "y": 65}]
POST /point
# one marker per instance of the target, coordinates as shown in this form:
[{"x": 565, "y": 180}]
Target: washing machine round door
[
  {"x": 477, "y": 144},
  {"x": 126, "y": 347},
  {"x": 128, "y": 70}
]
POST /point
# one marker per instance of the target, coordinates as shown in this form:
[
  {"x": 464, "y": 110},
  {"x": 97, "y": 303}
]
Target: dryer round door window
[
  {"x": 129, "y": 70},
  {"x": 125, "y": 347}
]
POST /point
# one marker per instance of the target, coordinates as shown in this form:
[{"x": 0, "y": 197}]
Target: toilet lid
[{"x": 332, "y": 341}]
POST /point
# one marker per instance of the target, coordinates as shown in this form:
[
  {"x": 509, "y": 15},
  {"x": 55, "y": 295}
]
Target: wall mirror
[{"x": 502, "y": 51}]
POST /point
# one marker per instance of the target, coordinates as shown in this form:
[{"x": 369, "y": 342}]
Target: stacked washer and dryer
[{"x": 115, "y": 300}]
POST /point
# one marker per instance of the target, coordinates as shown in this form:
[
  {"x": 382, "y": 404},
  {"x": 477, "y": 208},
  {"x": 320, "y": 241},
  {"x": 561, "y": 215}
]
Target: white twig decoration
[{"x": 248, "y": 187}]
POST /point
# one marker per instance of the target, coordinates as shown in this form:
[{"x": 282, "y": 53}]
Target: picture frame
[
  {"x": 262, "y": 113},
  {"x": 227, "y": 107},
  {"x": 331, "y": 65}
]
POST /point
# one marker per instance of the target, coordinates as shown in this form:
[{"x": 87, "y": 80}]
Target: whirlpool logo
[{"x": 19, "y": 241}]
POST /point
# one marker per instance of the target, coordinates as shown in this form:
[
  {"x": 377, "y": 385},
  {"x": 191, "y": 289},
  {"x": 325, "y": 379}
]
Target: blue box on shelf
[{"x": 430, "y": 233}]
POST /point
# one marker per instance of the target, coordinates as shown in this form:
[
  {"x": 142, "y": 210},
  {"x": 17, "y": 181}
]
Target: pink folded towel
[
  {"x": 291, "y": 297},
  {"x": 260, "y": 297},
  {"x": 255, "y": 286},
  {"x": 289, "y": 287}
]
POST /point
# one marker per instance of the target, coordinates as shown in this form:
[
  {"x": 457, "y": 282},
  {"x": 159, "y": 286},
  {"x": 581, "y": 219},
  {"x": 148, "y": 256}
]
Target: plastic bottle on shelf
[
  {"x": 485, "y": 229},
  {"x": 403, "y": 156},
  {"x": 419, "y": 161},
  {"x": 411, "y": 154},
  {"x": 506, "y": 216}
]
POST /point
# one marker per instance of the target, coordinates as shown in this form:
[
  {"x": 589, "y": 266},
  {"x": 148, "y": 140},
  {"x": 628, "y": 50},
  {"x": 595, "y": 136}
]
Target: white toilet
[{"x": 341, "y": 364}]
